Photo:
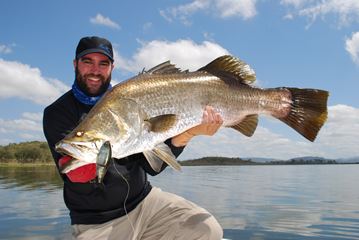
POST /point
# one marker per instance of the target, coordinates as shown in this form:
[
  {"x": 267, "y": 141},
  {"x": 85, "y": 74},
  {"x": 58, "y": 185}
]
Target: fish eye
[{"x": 79, "y": 134}]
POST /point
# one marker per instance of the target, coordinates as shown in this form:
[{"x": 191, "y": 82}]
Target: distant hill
[
  {"x": 307, "y": 160},
  {"x": 338, "y": 160},
  {"x": 213, "y": 161},
  {"x": 348, "y": 160},
  {"x": 262, "y": 160}
]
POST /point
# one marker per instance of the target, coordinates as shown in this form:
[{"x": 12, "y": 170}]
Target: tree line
[
  {"x": 39, "y": 152},
  {"x": 26, "y": 152}
]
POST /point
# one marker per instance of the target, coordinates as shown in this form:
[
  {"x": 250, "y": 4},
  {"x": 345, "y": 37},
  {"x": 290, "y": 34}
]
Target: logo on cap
[{"x": 105, "y": 48}]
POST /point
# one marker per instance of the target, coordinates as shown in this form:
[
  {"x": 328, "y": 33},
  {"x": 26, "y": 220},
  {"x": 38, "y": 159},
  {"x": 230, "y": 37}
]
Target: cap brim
[{"x": 94, "y": 50}]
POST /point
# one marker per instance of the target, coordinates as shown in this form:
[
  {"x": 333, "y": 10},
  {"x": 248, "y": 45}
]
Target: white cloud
[
  {"x": 183, "y": 11},
  {"x": 28, "y": 122},
  {"x": 347, "y": 11},
  {"x": 105, "y": 21},
  {"x": 5, "y": 49},
  {"x": 24, "y": 82},
  {"x": 337, "y": 139},
  {"x": 5, "y": 141},
  {"x": 245, "y": 9},
  {"x": 19, "y": 130},
  {"x": 28, "y": 127},
  {"x": 296, "y": 3},
  {"x": 352, "y": 47},
  {"x": 186, "y": 54},
  {"x": 32, "y": 116},
  {"x": 340, "y": 134}
]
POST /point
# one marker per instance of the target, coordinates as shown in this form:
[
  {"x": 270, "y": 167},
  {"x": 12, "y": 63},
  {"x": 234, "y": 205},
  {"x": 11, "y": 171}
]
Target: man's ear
[{"x": 75, "y": 63}]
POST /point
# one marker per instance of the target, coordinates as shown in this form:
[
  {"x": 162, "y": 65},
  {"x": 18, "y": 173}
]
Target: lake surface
[{"x": 250, "y": 202}]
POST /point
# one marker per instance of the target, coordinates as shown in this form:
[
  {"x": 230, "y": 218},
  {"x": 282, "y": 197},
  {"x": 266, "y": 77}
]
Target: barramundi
[{"x": 139, "y": 114}]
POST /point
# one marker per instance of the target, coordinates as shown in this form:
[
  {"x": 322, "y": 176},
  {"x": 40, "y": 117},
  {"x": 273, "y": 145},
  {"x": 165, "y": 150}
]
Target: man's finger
[
  {"x": 205, "y": 117},
  {"x": 211, "y": 114},
  {"x": 218, "y": 119}
]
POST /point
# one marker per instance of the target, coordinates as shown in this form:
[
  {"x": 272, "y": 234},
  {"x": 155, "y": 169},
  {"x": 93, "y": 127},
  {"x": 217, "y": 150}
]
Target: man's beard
[{"x": 80, "y": 80}]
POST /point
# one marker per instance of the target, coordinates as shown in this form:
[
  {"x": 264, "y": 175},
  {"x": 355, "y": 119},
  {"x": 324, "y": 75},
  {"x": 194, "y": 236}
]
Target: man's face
[{"x": 93, "y": 73}]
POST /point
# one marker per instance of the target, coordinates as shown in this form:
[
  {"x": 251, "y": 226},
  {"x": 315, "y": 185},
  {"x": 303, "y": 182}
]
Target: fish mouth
[{"x": 77, "y": 150}]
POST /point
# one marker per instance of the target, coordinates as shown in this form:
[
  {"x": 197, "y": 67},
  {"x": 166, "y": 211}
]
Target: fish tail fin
[{"x": 308, "y": 111}]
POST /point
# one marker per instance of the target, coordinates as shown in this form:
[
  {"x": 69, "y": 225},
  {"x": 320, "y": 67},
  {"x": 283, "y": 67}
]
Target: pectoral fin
[
  {"x": 162, "y": 123},
  {"x": 248, "y": 125},
  {"x": 161, "y": 153}
]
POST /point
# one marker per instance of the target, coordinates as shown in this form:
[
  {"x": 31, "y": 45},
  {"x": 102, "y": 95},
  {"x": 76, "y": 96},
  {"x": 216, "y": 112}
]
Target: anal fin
[
  {"x": 248, "y": 125},
  {"x": 161, "y": 153}
]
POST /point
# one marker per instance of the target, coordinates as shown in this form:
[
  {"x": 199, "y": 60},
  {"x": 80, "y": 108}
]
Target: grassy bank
[{"x": 24, "y": 165}]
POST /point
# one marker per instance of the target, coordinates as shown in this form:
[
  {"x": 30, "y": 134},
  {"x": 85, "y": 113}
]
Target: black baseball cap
[{"x": 94, "y": 45}]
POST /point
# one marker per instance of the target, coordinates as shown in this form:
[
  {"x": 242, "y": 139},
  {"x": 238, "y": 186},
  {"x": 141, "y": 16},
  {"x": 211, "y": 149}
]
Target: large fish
[{"x": 139, "y": 114}]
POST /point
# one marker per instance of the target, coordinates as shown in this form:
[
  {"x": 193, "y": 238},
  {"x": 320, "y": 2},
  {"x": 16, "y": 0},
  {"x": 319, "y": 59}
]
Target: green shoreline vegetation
[
  {"x": 26, "y": 153},
  {"x": 38, "y": 153}
]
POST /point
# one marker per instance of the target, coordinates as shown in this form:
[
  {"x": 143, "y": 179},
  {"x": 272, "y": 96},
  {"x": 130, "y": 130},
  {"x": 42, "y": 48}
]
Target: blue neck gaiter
[{"x": 82, "y": 97}]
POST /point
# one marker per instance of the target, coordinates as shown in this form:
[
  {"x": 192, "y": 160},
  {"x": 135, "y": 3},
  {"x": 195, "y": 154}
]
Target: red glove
[{"x": 81, "y": 174}]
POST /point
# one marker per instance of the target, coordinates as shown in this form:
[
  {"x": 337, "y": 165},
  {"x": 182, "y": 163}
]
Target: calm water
[{"x": 250, "y": 202}]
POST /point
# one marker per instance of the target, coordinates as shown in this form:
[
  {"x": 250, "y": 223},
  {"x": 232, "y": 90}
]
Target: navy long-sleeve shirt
[{"x": 90, "y": 203}]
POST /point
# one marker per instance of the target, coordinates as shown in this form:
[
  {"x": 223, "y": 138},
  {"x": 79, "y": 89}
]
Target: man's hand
[{"x": 211, "y": 122}]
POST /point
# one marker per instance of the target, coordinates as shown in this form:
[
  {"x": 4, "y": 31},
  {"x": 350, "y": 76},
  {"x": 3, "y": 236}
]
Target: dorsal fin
[
  {"x": 248, "y": 125},
  {"x": 164, "y": 68},
  {"x": 231, "y": 70}
]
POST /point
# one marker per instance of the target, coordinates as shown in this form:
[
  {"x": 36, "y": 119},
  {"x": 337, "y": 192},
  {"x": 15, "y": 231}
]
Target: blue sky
[{"x": 294, "y": 43}]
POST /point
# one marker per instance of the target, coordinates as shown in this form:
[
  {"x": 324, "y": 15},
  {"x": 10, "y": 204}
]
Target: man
[{"x": 127, "y": 207}]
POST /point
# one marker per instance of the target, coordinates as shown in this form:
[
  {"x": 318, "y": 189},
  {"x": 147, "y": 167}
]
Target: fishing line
[{"x": 127, "y": 195}]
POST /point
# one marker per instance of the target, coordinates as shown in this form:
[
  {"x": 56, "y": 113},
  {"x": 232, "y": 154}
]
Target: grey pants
[{"x": 160, "y": 216}]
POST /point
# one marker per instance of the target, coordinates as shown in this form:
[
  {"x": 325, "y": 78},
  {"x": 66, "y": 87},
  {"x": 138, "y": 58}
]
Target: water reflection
[
  {"x": 250, "y": 202},
  {"x": 275, "y": 202},
  {"x": 31, "y": 177},
  {"x": 31, "y": 204}
]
